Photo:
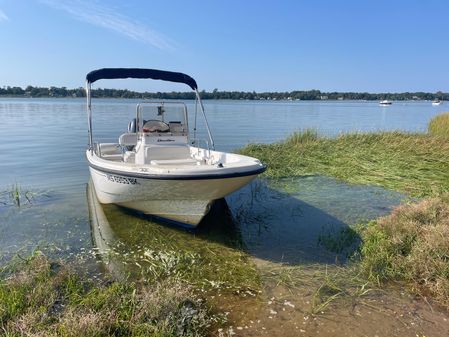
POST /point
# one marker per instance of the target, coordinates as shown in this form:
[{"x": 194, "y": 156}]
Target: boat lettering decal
[
  {"x": 122, "y": 180},
  {"x": 165, "y": 140}
]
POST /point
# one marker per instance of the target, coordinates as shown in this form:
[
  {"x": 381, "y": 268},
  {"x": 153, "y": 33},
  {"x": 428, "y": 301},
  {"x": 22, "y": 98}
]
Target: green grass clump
[
  {"x": 344, "y": 241},
  {"x": 41, "y": 298},
  {"x": 439, "y": 126},
  {"x": 17, "y": 195},
  {"x": 412, "y": 245},
  {"x": 416, "y": 164}
]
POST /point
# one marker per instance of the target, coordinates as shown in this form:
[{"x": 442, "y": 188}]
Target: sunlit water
[
  {"x": 42, "y": 152},
  {"x": 43, "y": 140}
]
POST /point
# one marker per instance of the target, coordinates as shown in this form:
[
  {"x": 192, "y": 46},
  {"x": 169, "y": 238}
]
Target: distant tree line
[{"x": 31, "y": 91}]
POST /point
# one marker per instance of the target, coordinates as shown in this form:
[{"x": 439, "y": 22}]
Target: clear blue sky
[{"x": 345, "y": 45}]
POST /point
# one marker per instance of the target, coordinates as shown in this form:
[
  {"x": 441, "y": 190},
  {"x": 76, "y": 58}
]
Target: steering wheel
[{"x": 154, "y": 125}]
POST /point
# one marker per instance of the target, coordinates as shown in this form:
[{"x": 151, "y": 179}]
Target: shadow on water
[
  {"x": 294, "y": 220},
  {"x": 290, "y": 221}
]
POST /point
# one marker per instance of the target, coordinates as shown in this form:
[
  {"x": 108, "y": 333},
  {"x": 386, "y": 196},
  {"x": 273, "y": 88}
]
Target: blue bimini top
[{"x": 116, "y": 73}]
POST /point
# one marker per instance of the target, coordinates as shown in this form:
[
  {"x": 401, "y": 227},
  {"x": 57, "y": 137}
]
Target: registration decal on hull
[{"x": 122, "y": 180}]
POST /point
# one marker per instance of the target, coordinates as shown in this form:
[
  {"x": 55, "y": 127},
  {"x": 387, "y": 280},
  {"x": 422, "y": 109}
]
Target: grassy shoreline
[
  {"x": 411, "y": 245},
  {"x": 40, "y": 297}
]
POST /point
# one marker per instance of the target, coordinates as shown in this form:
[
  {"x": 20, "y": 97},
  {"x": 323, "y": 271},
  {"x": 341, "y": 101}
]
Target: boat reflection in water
[
  {"x": 132, "y": 244},
  {"x": 103, "y": 236}
]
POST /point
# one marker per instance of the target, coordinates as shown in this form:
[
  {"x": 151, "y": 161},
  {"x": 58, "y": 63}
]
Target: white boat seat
[
  {"x": 176, "y": 128},
  {"x": 128, "y": 139},
  {"x": 108, "y": 149},
  {"x": 167, "y": 152},
  {"x": 187, "y": 161},
  {"x": 113, "y": 157}
]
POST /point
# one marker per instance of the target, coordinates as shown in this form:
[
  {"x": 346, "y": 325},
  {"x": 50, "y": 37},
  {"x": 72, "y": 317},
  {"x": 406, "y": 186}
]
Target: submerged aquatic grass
[
  {"x": 213, "y": 267},
  {"x": 412, "y": 163},
  {"x": 209, "y": 260},
  {"x": 344, "y": 284},
  {"x": 40, "y": 297},
  {"x": 327, "y": 285},
  {"x": 343, "y": 241}
]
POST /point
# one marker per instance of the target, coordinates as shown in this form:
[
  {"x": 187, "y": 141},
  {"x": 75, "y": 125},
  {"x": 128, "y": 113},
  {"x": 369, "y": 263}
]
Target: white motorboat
[
  {"x": 157, "y": 167},
  {"x": 385, "y": 102},
  {"x": 436, "y": 102}
]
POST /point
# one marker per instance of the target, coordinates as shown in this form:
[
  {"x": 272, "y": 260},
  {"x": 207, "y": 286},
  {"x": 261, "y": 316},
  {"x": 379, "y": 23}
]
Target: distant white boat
[
  {"x": 437, "y": 102},
  {"x": 385, "y": 102}
]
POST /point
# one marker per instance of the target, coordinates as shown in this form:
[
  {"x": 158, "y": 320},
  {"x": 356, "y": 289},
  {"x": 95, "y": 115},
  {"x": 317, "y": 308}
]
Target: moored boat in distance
[
  {"x": 385, "y": 102},
  {"x": 436, "y": 102},
  {"x": 156, "y": 167}
]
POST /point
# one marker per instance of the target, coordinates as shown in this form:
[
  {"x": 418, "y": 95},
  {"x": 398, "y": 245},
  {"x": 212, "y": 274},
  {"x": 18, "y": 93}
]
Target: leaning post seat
[{"x": 128, "y": 139}]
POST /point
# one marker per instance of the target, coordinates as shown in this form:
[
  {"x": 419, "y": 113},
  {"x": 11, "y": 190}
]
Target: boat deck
[{"x": 113, "y": 152}]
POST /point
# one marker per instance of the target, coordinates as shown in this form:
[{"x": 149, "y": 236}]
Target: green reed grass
[
  {"x": 439, "y": 126},
  {"x": 17, "y": 195},
  {"x": 411, "y": 245},
  {"x": 342, "y": 241},
  {"x": 416, "y": 164},
  {"x": 41, "y": 298}
]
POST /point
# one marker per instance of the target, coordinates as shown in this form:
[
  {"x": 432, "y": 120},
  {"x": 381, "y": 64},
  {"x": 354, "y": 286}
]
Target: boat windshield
[{"x": 162, "y": 118}]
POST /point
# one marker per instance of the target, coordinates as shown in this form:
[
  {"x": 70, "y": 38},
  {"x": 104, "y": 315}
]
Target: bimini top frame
[{"x": 122, "y": 73}]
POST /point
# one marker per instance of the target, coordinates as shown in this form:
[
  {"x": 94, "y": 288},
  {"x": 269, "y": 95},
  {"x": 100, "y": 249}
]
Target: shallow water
[
  {"x": 282, "y": 220},
  {"x": 278, "y": 221},
  {"x": 278, "y": 224},
  {"x": 261, "y": 219}
]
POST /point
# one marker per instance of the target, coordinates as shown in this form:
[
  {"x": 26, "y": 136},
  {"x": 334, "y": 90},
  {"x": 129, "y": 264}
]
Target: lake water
[
  {"x": 43, "y": 140},
  {"x": 276, "y": 222},
  {"x": 42, "y": 151}
]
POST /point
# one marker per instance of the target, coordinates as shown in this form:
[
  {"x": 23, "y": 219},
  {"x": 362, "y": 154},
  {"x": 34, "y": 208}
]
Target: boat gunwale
[{"x": 203, "y": 176}]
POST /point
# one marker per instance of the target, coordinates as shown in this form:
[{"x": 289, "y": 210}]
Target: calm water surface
[
  {"x": 43, "y": 140},
  {"x": 42, "y": 149}
]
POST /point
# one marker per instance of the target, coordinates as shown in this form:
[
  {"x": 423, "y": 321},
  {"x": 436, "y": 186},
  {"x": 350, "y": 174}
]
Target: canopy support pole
[
  {"x": 89, "y": 115},
  {"x": 205, "y": 119}
]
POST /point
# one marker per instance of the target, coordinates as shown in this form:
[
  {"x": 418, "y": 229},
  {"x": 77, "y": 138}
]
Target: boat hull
[{"x": 184, "y": 201}]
